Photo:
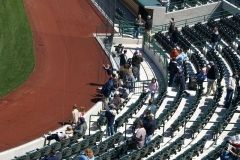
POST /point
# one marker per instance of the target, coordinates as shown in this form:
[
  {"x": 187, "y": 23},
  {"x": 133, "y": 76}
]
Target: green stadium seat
[
  {"x": 56, "y": 146},
  {"x": 34, "y": 155},
  {"x": 66, "y": 153},
  {"x": 24, "y": 157},
  {"x": 65, "y": 142},
  {"x": 45, "y": 150},
  {"x": 75, "y": 148}
]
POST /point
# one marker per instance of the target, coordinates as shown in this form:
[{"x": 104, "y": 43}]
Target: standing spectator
[
  {"x": 152, "y": 107},
  {"x": 139, "y": 136},
  {"x": 230, "y": 89},
  {"x": 148, "y": 28},
  {"x": 107, "y": 88},
  {"x": 174, "y": 35},
  {"x": 211, "y": 78},
  {"x": 182, "y": 82},
  {"x": 119, "y": 48},
  {"x": 109, "y": 69},
  {"x": 171, "y": 27},
  {"x": 182, "y": 57},
  {"x": 215, "y": 38},
  {"x": 150, "y": 125},
  {"x": 89, "y": 153},
  {"x": 201, "y": 75},
  {"x": 174, "y": 53},
  {"x": 110, "y": 115},
  {"x": 123, "y": 58},
  {"x": 81, "y": 127},
  {"x": 117, "y": 100},
  {"x": 153, "y": 87},
  {"x": 137, "y": 24},
  {"x": 172, "y": 68},
  {"x": 76, "y": 114},
  {"x": 136, "y": 61}
]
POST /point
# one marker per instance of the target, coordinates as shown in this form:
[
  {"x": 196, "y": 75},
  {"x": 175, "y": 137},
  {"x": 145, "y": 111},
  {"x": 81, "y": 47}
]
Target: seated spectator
[
  {"x": 56, "y": 136},
  {"x": 89, "y": 153},
  {"x": 110, "y": 115},
  {"x": 51, "y": 156},
  {"x": 83, "y": 157},
  {"x": 149, "y": 124},
  {"x": 124, "y": 92},
  {"x": 81, "y": 127},
  {"x": 139, "y": 136},
  {"x": 153, "y": 87},
  {"x": 152, "y": 107}
]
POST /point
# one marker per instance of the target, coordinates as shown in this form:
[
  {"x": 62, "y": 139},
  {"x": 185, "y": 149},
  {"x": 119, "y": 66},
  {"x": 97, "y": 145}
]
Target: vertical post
[{"x": 89, "y": 124}]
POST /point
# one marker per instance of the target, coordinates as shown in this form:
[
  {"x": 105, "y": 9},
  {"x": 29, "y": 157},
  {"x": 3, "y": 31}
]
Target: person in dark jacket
[
  {"x": 136, "y": 61},
  {"x": 122, "y": 58},
  {"x": 215, "y": 38},
  {"x": 107, "y": 88},
  {"x": 174, "y": 35},
  {"x": 149, "y": 124},
  {"x": 81, "y": 127},
  {"x": 211, "y": 78},
  {"x": 172, "y": 69},
  {"x": 110, "y": 115}
]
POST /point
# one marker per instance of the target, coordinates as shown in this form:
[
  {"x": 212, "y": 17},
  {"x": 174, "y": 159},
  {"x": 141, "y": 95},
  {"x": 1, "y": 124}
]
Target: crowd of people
[{"x": 232, "y": 150}]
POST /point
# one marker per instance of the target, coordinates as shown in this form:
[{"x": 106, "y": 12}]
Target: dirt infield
[{"x": 68, "y": 61}]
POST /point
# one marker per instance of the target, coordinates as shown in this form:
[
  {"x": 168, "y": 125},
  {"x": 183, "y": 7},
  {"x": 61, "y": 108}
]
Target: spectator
[
  {"x": 52, "y": 156},
  {"x": 128, "y": 77},
  {"x": 174, "y": 53},
  {"x": 136, "y": 62},
  {"x": 211, "y": 78},
  {"x": 172, "y": 69},
  {"x": 83, "y": 157},
  {"x": 107, "y": 88},
  {"x": 171, "y": 26},
  {"x": 153, "y": 87},
  {"x": 110, "y": 115},
  {"x": 117, "y": 100},
  {"x": 150, "y": 125},
  {"x": 59, "y": 135},
  {"x": 215, "y": 38},
  {"x": 137, "y": 24},
  {"x": 139, "y": 136},
  {"x": 182, "y": 57},
  {"x": 148, "y": 28},
  {"x": 89, "y": 153},
  {"x": 230, "y": 90},
  {"x": 123, "y": 58},
  {"x": 152, "y": 107},
  {"x": 201, "y": 75},
  {"x": 174, "y": 35},
  {"x": 119, "y": 48},
  {"x": 109, "y": 69},
  {"x": 76, "y": 114},
  {"x": 181, "y": 79},
  {"x": 81, "y": 127}
]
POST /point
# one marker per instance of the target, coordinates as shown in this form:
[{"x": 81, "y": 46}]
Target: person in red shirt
[{"x": 174, "y": 53}]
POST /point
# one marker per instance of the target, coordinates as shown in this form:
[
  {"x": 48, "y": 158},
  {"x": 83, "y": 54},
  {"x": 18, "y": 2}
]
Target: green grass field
[{"x": 16, "y": 47}]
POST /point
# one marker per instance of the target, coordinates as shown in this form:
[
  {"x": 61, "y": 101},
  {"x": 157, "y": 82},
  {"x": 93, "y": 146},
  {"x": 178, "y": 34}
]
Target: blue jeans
[
  {"x": 136, "y": 31},
  {"x": 228, "y": 98},
  {"x": 110, "y": 130},
  {"x": 148, "y": 139}
]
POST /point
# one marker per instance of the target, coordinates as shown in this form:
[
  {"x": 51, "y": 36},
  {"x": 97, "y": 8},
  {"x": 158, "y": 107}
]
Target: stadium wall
[{"x": 230, "y": 7}]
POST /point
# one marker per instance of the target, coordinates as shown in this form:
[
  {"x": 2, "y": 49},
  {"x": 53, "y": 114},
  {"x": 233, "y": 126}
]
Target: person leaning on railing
[{"x": 148, "y": 28}]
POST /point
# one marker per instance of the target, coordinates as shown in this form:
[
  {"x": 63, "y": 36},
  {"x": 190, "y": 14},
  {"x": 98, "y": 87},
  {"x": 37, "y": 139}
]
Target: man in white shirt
[
  {"x": 76, "y": 114},
  {"x": 230, "y": 90}
]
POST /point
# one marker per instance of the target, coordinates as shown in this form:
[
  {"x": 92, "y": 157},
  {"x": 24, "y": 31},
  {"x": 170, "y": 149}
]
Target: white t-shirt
[{"x": 76, "y": 115}]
